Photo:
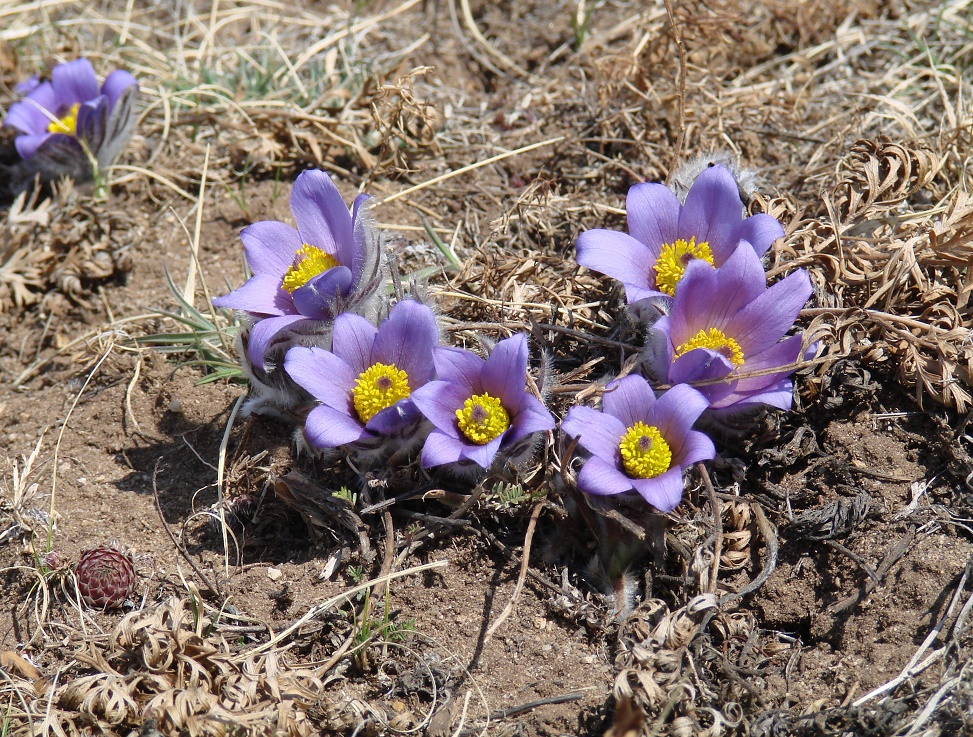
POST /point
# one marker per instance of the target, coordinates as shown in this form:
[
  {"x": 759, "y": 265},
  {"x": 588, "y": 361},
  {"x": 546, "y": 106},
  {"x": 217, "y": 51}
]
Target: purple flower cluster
[
  {"x": 377, "y": 383},
  {"x": 719, "y": 343},
  {"x": 665, "y": 236},
  {"x": 71, "y": 125},
  {"x": 381, "y": 389},
  {"x": 377, "y": 389}
]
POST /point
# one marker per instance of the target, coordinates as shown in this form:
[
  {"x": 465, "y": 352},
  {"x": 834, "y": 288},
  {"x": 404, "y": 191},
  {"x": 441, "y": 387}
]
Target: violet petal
[
  {"x": 324, "y": 375},
  {"x": 617, "y": 255},
  {"x": 483, "y": 455},
  {"x": 406, "y": 340},
  {"x": 439, "y": 401},
  {"x": 327, "y": 427},
  {"x": 530, "y": 418},
  {"x": 675, "y": 413},
  {"x": 260, "y": 294},
  {"x": 115, "y": 84},
  {"x": 505, "y": 373},
  {"x": 352, "y": 339},
  {"x": 322, "y": 216},
  {"x": 271, "y": 247},
  {"x": 440, "y": 449},
  {"x": 33, "y": 114},
  {"x": 695, "y": 447},
  {"x": 459, "y": 366},
  {"x": 264, "y": 331},
  {"x": 600, "y": 478},
  {"x": 597, "y": 432},
  {"x": 630, "y": 399},
  {"x": 713, "y": 212},
  {"x": 27, "y": 145},
  {"x": 394, "y": 418},
  {"x": 764, "y": 321},
  {"x": 318, "y": 298},
  {"x": 664, "y": 492},
  {"x": 699, "y": 364},
  {"x": 653, "y": 215},
  {"x": 760, "y": 231},
  {"x": 74, "y": 82}
]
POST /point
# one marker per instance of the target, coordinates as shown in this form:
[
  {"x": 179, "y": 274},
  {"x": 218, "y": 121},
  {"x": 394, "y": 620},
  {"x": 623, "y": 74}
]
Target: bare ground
[{"x": 844, "y": 539}]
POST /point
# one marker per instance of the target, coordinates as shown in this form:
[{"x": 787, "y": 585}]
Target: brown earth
[{"x": 867, "y": 487}]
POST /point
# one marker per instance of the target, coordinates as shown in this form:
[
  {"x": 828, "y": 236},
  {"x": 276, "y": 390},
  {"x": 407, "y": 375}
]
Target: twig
[
  {"x": 897, "y": 551},
  {"x": 862, "y": 563},
  {"x": 717, "y": 528},
  {"x": 475, "y": 32},
  {"x": 165, "y": 525},
  {"x": 530, "y": 705},
  {"x": 681, "y": 108},
  {"x": 338, "y": 654},
  {"x": 464, "y": 169},
  {"x": 524, "y": 565}
]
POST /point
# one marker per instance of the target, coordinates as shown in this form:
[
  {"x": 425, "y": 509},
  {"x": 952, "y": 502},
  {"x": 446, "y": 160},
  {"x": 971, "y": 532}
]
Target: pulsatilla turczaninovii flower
[
  {"x": 327, "y": 265},
  {"x": 365, "y": 382},
  {"x": 726, "y": 323},
  {"x": 70, "y": 122},
  {"x": 665, "y": 236},
  {"x": 640, "y": 443},
  {"x": 479, "y": 407}
]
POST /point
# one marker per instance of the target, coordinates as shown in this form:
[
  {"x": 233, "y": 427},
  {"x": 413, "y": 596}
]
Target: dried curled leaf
[
  {"x": 890, "y": 268},
  {"x": 880, "y": 174}
]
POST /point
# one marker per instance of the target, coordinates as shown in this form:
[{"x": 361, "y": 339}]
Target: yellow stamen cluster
[
  {"x": 482, "y": 418},
  {"x": 645, "y": 453},
  {"x": 673, "y": 260},
  {"x": 68, "y": 124},
  {"x": 379, "y": 386},
  {"x": 309, "y": 261},
  {"x": 715, "y": 340}
]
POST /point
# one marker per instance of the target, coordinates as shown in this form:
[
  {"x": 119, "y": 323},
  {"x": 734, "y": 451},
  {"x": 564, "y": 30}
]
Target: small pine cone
[{"x": 106, "y": 577}]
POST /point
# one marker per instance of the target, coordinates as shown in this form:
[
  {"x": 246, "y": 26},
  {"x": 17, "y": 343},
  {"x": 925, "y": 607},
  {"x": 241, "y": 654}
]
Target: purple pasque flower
[
  {"x": 70, "y": 121},
  {"x": 365, "y": 382},
  {"x": 726, "y": 323},
  {"x": 640, "y": 443},
  {"x": 477, "y": 406},
  {"x": 329, "y": 264},
  {"x": 664, "y": 235}
]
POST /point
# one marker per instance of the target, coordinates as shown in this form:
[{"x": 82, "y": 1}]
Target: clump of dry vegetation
[{"x": 491, "y": 136}]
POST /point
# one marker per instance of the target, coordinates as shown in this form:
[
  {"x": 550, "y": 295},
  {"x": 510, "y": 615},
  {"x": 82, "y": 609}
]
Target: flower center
[
  {"x": 68, "y": 124},
  {"x": 715, "y": 340},
  {"x": 309, "y": 261},
  {"x": 645, "y": 453},
  {"x": 379, "y": 386},
  {"x": 482, "y": 418},
  {"x": 673, "y": 260}
]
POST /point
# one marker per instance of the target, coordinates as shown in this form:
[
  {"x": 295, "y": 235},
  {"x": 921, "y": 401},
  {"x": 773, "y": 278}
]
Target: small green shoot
[
  {"x": 208, "y": 342},
  {"x": 382, "y": 630},
  {"x": 581, "y": 20},
  {"x": 507, "y": 496},
  {"x": 453, "y": 263},
  {"x": 346, "y": 495}
]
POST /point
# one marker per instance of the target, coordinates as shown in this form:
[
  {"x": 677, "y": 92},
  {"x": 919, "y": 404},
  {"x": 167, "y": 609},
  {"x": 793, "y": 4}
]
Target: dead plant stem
[
  {"x": 524, "y": 565},
  {"x": 681, "y": 97},
  {"x": 165, "y": 526},
  {"x": 714, "y": 504}
]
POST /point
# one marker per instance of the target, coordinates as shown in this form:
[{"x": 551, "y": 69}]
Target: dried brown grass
[{"x": 857, "y": 116}]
